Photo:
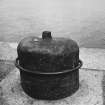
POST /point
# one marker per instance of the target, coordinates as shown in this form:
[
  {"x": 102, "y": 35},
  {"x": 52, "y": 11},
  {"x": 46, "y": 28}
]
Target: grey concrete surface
[{"x": 93, "y": 58}]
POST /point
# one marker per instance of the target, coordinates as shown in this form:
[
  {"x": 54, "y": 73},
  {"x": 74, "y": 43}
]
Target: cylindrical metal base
[{"x": 50, "y": 86}]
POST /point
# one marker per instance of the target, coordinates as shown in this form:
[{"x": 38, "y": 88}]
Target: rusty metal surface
[{"x": 49, "y": 86}]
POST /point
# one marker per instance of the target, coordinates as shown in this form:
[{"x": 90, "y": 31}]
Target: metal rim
[{"x": 47, "y": 73}]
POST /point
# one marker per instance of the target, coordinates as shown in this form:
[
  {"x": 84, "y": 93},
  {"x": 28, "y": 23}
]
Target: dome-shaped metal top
[{"x": 48, "y": 54}]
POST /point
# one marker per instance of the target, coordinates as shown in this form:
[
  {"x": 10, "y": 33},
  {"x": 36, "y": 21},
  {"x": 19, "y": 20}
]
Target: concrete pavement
[{"x": 92, "y": 79}]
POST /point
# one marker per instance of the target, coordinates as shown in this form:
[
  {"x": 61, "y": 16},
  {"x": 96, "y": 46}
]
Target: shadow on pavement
[
  {"x": 5, "y": 68},
  {"x": 103, "y": 87}
]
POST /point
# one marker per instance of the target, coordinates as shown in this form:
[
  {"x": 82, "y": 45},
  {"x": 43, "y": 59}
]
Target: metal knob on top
[{"x": 46, "y": 35}]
